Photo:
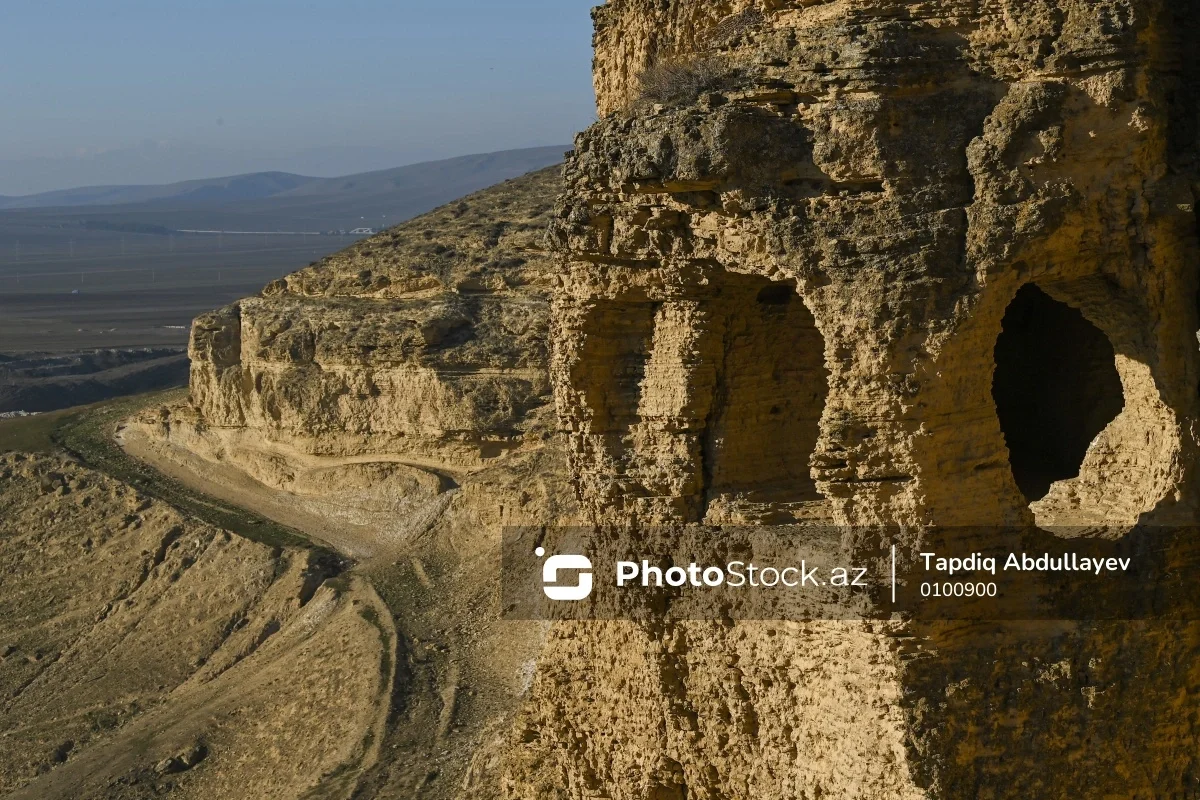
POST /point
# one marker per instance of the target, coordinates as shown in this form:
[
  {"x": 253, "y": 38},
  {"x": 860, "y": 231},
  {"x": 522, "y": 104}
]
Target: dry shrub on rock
[{"x": 683, "y": 82}]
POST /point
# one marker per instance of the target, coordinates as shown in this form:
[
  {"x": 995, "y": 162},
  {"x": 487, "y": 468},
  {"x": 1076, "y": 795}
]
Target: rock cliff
[
  {"x": 883, "y": 263},
  {"x": 378, "y": 380},
  {"x": 430, "y": 338},
  {"x": 874, "y": 191},
  {"x": 864, "y": 263}
]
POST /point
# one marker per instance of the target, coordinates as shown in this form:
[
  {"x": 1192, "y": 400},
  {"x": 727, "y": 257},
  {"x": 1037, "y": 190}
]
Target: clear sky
[{"x": 147, "y": 91}]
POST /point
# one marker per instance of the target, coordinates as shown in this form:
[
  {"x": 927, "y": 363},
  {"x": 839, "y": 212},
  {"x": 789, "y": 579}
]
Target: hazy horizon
[
  {"x": 367, "y": 153},
  {"x": 164, "y": 94}
]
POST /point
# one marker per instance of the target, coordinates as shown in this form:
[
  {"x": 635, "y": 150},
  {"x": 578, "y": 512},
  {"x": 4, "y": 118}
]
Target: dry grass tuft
[
  {"x": 683, "y": 82},
  {"x": 733, "y": 27}
]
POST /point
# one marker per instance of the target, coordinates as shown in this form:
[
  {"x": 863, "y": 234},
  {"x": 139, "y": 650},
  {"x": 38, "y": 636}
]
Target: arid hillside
[
  {"x": 145, "y": 653},
  {"x": 888, "y": 268},
  {"x": 393, "y": 401},
  {"x": 408, "y": 419}
]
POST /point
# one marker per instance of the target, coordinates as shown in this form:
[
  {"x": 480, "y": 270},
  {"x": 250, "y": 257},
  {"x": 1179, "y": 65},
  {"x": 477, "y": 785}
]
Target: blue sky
[{"x": 130, "y": 91}]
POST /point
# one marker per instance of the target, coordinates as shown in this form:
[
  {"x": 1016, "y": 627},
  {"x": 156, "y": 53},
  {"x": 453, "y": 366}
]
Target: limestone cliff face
[
  {"x": 428, "y": 340},
  {"x": 371, "y": 385},
  {"x": 885, "y": 177},
  {"x": 868, "y": 263},
  {"x": 877, "y": 263},
  {"x": 631, "y": 37}
]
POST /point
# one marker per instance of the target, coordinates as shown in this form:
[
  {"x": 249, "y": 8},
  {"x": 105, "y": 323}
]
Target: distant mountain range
[
  {"x": 237, "y": 187},
  {"x": 279, "y": 200}
]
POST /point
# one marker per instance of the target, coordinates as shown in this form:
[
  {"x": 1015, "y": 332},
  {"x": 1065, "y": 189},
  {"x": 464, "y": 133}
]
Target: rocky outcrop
[
  {"x": 376, "y": 381},
  {"x": 428, "y": 340},
  {"x": 870, "y": 264},
  {"x": 900, "y": 177},
  {"x": 906, "y": 264}
]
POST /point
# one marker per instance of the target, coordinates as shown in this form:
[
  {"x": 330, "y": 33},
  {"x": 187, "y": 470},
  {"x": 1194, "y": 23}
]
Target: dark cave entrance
[
  {"x": 1056, "y": 387},
  {"x": 772, "y": 388}
]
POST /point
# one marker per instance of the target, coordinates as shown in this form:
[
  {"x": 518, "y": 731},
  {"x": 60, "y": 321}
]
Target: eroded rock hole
[
  {"x": 771, "y": 390},
  {"x": 1056, "y": 388},
  {"x": 777, "y": 294}
]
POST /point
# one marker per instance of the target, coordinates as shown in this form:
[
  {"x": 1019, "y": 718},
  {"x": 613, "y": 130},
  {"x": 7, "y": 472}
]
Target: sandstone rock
[
  {"x": 925, "y": 264},
  {"x": 931, "y": 264},
  {"x": 417, "y": 356},
  {"x": 905, "y": 177}
]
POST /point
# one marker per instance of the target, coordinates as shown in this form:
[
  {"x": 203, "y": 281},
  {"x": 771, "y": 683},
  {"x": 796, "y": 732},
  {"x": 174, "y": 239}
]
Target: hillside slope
[
  {"x": 224, "y": 189},
  {"x": 394, "y": 398},
  {"x": 143, "y": 652}
]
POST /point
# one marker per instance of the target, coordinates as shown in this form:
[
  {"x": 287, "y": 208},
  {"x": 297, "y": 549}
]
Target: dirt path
[{"x": 231, "y": 485}]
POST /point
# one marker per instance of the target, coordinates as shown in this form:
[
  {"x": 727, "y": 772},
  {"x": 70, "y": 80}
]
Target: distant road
[{"x": 261, "y": 233}]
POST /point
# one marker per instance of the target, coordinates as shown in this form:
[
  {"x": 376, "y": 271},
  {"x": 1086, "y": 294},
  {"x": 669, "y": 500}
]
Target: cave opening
[
  {"x": 771, "y": 391},
  {"x": 1055, "y": 386}
]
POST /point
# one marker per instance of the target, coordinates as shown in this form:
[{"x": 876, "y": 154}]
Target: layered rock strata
[
  {"x": 905, "y": 264},
  {"x": 898, "y": 173},
  {"x": 863, "y": 263},
  {"x": 375, "y": 382}
]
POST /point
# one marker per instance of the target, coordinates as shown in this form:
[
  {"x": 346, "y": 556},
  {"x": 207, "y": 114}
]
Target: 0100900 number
[{"x": 958, "y": 589}]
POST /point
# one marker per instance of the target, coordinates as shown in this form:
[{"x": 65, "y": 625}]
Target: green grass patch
[{"x": 34, "y": 434}]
